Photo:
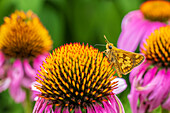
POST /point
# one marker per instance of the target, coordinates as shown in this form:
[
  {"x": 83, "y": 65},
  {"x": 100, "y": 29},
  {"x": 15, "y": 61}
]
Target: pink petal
[
  {"x": 66, "y": 110},
  {"x": 90, "y": 109},
  {"x": 39, "y": 106},
  {"x": 49, "y": 109},
  {"x": 152, "y": 26},
  {"x": 166, "y": 103},
  {"x": 133, "y": 97},
  {"x": 57, "y": 110},
  {"x": 158, "y": 94},
  {"x": 77, "y": 110},
  {"x": 26, "y": 82},
  {"x": 121, "y": 85},
  {"x": 16, "y": 73},
  {"x": 38, "y": 61},
  {"x": 4, "y": 84},
  {"x": 98, "y": 108},
  {"x": 29, "y": 70},
  {"x": 108, "y": 107},
  {"x": 131, "y": 17},
  {"x": 35, "y": 91},
  {"x": 2, "y": 58}
]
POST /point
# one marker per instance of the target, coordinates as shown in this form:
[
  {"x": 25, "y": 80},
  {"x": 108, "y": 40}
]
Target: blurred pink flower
[
  {"x": 24, "y": 43},
  {"x": 150, "y": 82},
  {"x": 137, "y": 25},
  {"x": 77, "y": 78}
]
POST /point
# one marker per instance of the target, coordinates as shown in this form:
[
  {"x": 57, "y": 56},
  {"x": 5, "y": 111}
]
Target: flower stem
[
  {"x": 27, "y": 103},
  {"x": 165, "y": 111}
]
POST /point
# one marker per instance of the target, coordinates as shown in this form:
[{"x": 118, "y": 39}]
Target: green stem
[
  {"x": 28, "y": 103},
  {"x": 165, "y": 111}
]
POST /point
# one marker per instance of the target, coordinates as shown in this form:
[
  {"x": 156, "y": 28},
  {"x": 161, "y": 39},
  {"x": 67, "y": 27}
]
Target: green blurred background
[{"x": 84, "y": 21}]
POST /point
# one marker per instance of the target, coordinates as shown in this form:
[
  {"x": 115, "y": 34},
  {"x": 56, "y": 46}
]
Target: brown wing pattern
[{"x": 128, "y": 60}]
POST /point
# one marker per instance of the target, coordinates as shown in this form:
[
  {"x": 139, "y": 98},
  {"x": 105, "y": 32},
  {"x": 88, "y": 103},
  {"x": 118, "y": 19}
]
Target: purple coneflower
[
  {"x": 77, "y": 79},
  {"x": 137, "y": 25},
  {"x": 24, "y": 42},
  {"x": 150, "y": 82}
]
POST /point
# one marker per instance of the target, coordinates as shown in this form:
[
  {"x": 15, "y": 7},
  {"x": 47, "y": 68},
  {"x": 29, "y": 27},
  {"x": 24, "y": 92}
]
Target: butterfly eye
[{"x": 110, "y": 47}]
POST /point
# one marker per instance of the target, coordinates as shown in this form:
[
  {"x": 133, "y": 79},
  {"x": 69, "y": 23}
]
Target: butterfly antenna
[
  {"x": 106, "y": 39},
  {"x": 99, "y": 45}
]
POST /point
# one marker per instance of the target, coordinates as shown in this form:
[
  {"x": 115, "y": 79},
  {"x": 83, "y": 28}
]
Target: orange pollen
[
  {"x": 156, "y": 10},
  {"x": 23, "y": 36},
  {"x": 157, "y": 47}
]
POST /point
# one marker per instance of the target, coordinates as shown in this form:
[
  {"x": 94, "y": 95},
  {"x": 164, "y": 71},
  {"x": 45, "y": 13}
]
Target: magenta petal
[
  {"x": 166, "y": 103},
  {"x": 28, "y": 69},
  {"x": 66, "y": 110},
  {"x": 39, "y": 106},
  {"x": 108, "y": 107},
  {"x": 77, "y": 110},
  {"x": 16, "y": 73},
  {"x": 49, "y": 109},
  {"x": 152, "y": 26},
  {"x": 129, "y": 39},
  {"x": 116, "y": 104},
  {"x": 149, "y": 75},
  {"x": 98, "y": 108},
  {"x": 133, "y": 98},
  {"x": 38, "y": 61},
  {"x": 90, "y": 109},
  {"x": 4, "y": 84},
  {"x": 26, "y": 82},
  {"x": 135, "y": 72},
  {"x": 2, "y": 58},
  {"x": 131, "y": 17},
  {"x": 160, "y": 90},
  {"x": 142, "y": 108},
  {"x": 36, "y": 105},
  {"x": 119, "y": 104},
  {"x": 2, "y": 72},
  {"x": 121, "y": 85},
  {"x": 57, "y": 110}
]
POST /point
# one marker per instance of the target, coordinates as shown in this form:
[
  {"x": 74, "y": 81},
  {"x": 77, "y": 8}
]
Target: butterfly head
[{"x": 108, "y": 45}]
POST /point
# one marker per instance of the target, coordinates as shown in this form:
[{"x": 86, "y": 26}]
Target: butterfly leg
[{"x": 117, "y": 69}]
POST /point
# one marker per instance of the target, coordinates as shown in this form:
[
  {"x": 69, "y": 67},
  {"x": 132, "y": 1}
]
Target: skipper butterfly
[{"x": 123, "y": 61}]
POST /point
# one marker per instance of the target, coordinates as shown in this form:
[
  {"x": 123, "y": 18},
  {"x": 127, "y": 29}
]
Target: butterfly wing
[{"x": 126, "y": 61}]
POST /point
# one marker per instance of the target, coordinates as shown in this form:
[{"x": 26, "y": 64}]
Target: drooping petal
[
  {"x": 38, "y": 62},
  {"x": 49, "y": 109},
  {"x": 90, "y": 109},
  {"x": 166, "y": 104},
  {"x": 121, "y": 85},
  {"x": 150, "y": 29},
  {"x": 116, "y": 104},
  {"x": 16, "y": 73},
  {"x": 78, "y": 110},
  {"x": 26, "y": 82},
  {"x": 133, "y": 97},
  {"x": 35, "y": 91},
  {"x": 57, "y": 110},
  {"x": 39, "y": 106},
  {"x": 4, "y": 84},
  {"x": 132, "y": 35},
  {"x": 160, "y": 91},
  {"x": 2, "y": 58},
  {"x": 98, "y": 108},
  {"x": 131, "y": 17},
  {"x": 108, "y": 107},
  {"x": 66, "y": 110},
  {"x": 30, "y": 72}
]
